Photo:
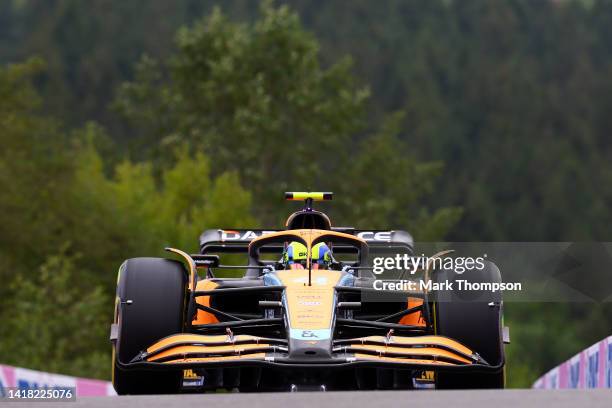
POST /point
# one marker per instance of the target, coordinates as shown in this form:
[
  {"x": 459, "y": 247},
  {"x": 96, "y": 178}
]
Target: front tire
[
  {"x": 475, "y": 320},
  {"x": 156, "y": 289}
]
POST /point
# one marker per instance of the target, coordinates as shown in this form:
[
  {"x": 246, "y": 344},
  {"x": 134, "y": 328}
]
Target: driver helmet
[
  {"x": 321, "y": 256},
  {"x": 295, "y": 255}
]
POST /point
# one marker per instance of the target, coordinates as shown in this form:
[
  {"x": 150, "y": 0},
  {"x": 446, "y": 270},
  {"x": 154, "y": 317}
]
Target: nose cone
[
  {"x": 310, "y": 344},
  {"x": 310, "y": 311}
]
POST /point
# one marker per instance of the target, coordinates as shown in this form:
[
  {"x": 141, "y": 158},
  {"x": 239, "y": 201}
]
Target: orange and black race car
[{"x": 305, "y": 314}]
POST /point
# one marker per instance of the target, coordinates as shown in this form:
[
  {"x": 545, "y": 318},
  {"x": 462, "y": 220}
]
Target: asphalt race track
[{"x": 455, "y": 399}]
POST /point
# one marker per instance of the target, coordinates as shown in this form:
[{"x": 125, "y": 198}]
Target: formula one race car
[{"x": 304, "y": 315}]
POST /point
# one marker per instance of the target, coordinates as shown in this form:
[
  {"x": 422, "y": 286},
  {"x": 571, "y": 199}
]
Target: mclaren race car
[{"x": 303, "y": 314}]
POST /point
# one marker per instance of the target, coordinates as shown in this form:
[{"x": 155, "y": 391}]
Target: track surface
[{"x": 429, "y": 399}]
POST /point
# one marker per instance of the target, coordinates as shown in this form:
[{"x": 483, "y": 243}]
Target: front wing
[{"x": 428, "y": 352}]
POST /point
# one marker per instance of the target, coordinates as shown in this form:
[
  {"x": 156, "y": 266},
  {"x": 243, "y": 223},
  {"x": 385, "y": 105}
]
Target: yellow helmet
[{"x": 295, "y": 252}]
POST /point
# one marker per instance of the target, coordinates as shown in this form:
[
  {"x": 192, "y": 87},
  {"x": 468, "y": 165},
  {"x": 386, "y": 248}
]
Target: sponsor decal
[
  {"x": 300, "y": 334},
  {"x": 7, "y": 377},
  {"x": 3, "y": 382},
  {"x": 233, "y": 235},
  {"x": 23, "y": 378},
  {"x": 249, "y": 235},
  {"x": 592, "y": 369},
  {"x": 574, "y": 373},
  {"x": 308, "y": 303},
  {"x": 86, "y": 387},
  {"x": 189, "y": 374},
  {"x": 553, "y": 379},
  {"x": 380, "y": 236},
  {"x": 427, "y": 376},
  {"x": 319, "y": 280},
  {"x": 609, "y": 365}
]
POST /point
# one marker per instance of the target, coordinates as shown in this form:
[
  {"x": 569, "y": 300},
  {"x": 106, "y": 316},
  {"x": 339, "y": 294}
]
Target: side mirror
[{"x": 206, "y": 261}]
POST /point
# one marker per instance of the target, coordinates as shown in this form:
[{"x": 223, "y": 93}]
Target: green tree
[
  {"x": 54, "y": 325},
  {"x": 58, "y": 196},
  {"x": 256, "y": 99},
  {"x": 386, "y": 184},
  {"x": 56, "y": 189},
  {"x": 147, "y": 212},
  {"x": 34, "y": 172}
]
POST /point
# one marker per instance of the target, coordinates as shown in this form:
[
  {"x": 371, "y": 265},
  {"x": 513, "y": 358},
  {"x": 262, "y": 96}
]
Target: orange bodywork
[
  {"x": 421, "y": 352},
  {"x": 310, "y": 307},
  {"x": 230, "y": 349},
  {"x": 208, "y": 340},
  {"x": 416, "y": 318},
  {"x": 308, "y": 236},
  {"x": 256, "y": 356},
  {"x": 203, "y": 317},
  {"x": 416, "y": 341},
  {"x": 368, "y": 357}
]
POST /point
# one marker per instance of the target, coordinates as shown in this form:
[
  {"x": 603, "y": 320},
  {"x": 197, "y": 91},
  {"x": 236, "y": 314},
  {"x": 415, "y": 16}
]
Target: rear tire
[
  {"x": 156, "y": 288},
  {"x": 475, "y": 320}
]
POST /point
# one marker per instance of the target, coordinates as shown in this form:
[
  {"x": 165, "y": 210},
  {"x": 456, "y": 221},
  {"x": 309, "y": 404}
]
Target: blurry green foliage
[
  {"x": 512, "y": 96},
  {"x": 46, "y": 321},
  {"x": 256, "y": 99},
  {"x": 133, "y": 213},
  {"x": 58, "y": 198}
]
